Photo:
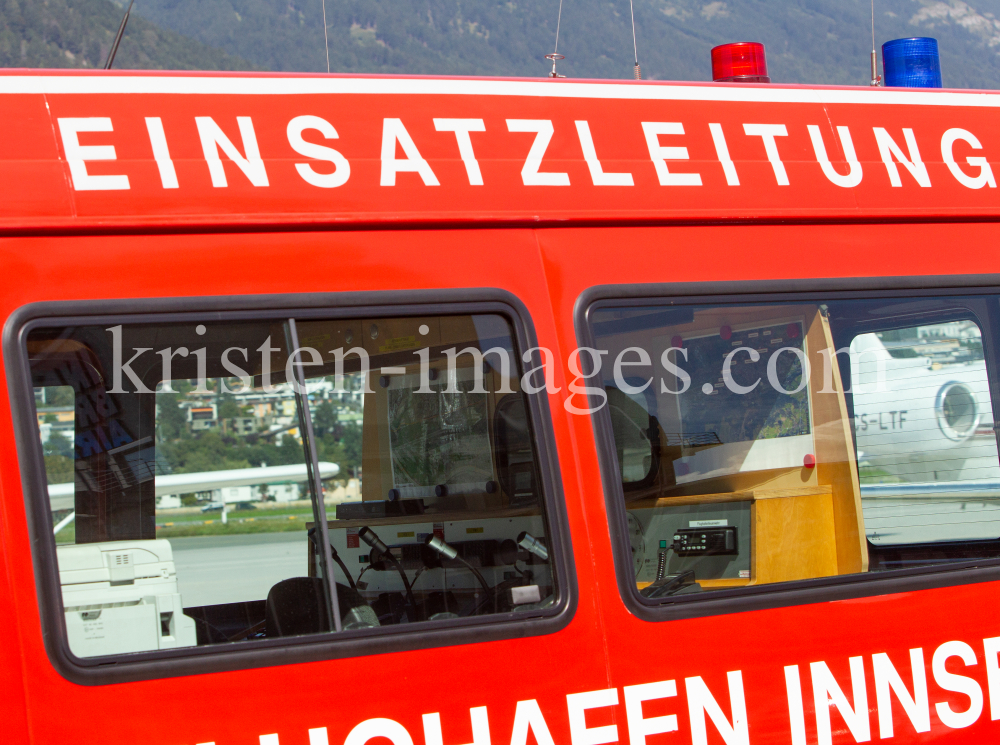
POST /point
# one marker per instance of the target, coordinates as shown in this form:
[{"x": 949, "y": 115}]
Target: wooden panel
[
  {"x": 775, "y": 478},
  {"x": 749, "y": 495},
  {"x": 792, "y": 537},
  {"x": 721, "y": 584},
  {"x": 835, "y": 456},
  {"x": 733, "y": 496},
  {"x": 803, "y": 491},
  {"x": 708, "y": 584}
]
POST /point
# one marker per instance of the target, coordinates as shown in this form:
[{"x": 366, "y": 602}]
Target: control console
[{"x": 715, "y": 541}]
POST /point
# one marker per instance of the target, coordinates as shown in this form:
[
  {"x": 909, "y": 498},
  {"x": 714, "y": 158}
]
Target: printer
[{"x": 121, "y": 597}]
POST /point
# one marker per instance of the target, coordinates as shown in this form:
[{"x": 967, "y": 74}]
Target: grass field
[
  {"x": 210, "y": 523},
  {"x": 233, "y": 527},
  {"x": 872, "y": 475},
  {"x": 237, "y": 521}
]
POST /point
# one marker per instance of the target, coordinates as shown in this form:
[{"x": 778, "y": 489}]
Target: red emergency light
[{"x": 739, "y": 62}]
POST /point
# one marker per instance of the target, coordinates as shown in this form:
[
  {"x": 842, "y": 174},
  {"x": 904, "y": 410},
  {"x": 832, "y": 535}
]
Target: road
[{"x": 234, "y": 568}]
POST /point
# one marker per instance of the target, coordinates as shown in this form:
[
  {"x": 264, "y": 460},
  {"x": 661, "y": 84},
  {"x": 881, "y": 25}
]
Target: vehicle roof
[{"x": 385, "y": 130}]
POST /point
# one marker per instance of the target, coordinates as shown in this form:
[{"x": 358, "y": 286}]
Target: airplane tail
[
  {"x": 869, "y": 348},
  {"x": 869, "y": 360}
]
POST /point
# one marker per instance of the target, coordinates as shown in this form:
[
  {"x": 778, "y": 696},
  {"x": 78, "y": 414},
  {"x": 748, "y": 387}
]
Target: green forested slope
[
  {"x": 78, "y": 33},
  {"x": 814, "y": 41},
  {"x": 808, "y": 41}
]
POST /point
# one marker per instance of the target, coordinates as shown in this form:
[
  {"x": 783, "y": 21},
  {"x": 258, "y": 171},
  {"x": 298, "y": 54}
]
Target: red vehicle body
[{"x": 546, "y": 233}]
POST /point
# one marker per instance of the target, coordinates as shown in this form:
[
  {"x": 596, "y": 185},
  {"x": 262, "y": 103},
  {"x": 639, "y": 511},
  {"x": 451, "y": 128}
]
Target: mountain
[
  {"x": 79, "y": 33},
  {"x": 808, "y": 41}
]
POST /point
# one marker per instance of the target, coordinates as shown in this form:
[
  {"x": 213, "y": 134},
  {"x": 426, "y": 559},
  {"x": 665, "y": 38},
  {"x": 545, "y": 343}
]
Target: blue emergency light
[{"x": 912, "y": 63}]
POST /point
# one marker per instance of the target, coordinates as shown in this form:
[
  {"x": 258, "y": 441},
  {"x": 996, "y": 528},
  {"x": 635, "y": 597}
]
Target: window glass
[
  {"x": 182, "y": 491},
  {"x": 446, "y": 454},
  {"x": 180, "y": 496},
  {"x": 795, "y": 441},
  {"x": 927, "y": 451}
]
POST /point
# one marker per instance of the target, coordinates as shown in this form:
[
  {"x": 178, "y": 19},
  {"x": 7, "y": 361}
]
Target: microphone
[
  {"x": 533, "y": 546},
  {"x": 449, "y": 552},
  {"x": 368, "y": 536},
  {"x": 441, "y": 547}
]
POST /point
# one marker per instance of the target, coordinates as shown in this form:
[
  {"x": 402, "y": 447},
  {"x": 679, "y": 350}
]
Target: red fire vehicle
[{"x": 347, "y": 409}]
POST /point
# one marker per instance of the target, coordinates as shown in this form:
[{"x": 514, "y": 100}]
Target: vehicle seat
[{"x": 297, "y": 606}]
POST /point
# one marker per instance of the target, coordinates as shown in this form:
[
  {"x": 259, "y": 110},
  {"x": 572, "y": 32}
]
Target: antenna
[
  {"x": 555, "y": 56},
  {"x": 637, "y": 71},
  {"x": 118, "y": 37},
  {"x": 326, "y": 38},
  {"x": 876, "y": 78}
]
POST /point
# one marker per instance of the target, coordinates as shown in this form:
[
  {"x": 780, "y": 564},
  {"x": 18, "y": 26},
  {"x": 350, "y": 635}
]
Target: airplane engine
[
  {"x": 920, "y": 422},
  {"x": 957, "y": 411}
]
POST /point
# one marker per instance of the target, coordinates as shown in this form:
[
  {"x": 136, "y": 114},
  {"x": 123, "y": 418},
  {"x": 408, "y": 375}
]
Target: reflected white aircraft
[
  {"x": 926, "y": 442},
  {"x": 62, "y": 496},
  {"x": 919, "y": 421}
]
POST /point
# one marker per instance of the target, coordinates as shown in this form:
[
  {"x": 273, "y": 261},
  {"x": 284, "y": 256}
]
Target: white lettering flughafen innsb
[{"x": 714, "y": 716}]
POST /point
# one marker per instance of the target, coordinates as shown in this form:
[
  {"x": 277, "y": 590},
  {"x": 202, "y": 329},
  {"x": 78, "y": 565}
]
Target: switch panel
[{"x": 706, "y": 541}]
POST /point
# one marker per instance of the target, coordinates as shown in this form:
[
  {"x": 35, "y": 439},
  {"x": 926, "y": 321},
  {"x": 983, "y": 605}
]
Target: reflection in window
[
  {"x": 447, "y": 454},
  {"x": 795, "y": 441},
  {"x": 634, "y": 431},
  {"x": 182, "y": 494},
  {"x": 441, "y": 438},
  {"x": 927, "y": 452}
]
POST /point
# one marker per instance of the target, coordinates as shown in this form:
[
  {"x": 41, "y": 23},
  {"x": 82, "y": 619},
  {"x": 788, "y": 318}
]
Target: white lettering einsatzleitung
[{"x": 896, "y": 145}]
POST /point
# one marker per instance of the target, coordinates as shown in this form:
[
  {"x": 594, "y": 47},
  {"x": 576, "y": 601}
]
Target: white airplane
[
  {"x": 918, "y": 421},
  {"x": 926, "y": 444},
  {"x": 62, "y": 496}
]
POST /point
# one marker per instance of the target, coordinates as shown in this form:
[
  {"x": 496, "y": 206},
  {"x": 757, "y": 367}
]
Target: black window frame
[
  {"x": 286, "y": 650},
  {"x": 799, "y": 592}
]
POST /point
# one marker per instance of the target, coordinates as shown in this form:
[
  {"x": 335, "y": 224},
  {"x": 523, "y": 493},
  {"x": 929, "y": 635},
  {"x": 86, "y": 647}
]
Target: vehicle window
[
  {"x": 188, "y": 510},
  {"x": 797, "y": 441},
  {"x": 446, "y": 455}
]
